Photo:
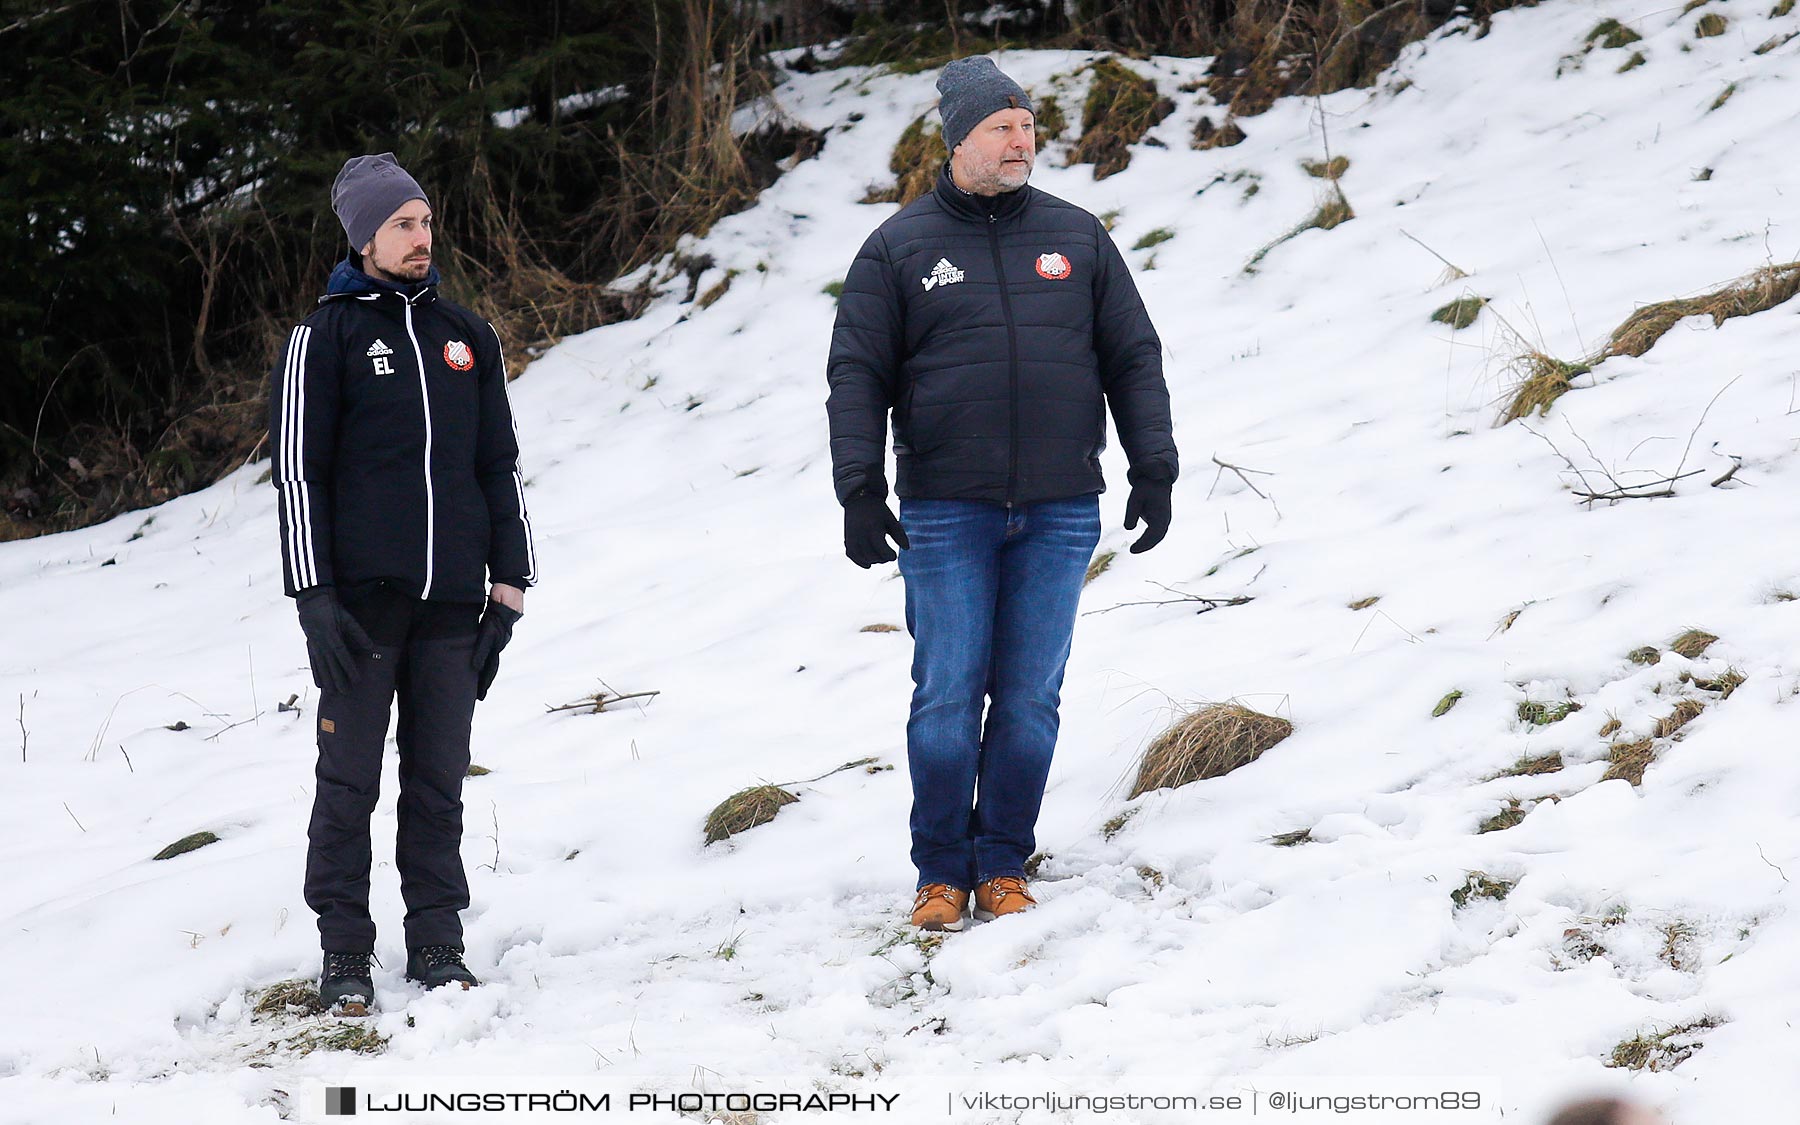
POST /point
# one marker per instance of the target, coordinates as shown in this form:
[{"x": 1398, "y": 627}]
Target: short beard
[
  {"x": 416, "y": 271},
  {"x": 995, "y": 179}
]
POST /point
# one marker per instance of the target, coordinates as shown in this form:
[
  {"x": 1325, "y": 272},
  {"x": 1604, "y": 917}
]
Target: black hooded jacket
[
  {"x": 394, "y": 450},
  {"x": 994, "y": 328}
]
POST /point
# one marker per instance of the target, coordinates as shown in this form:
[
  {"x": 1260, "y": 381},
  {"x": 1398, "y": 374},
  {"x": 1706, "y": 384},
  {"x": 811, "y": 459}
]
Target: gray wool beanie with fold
[
  {"x": 368, "y": 190},
  {"x": 971, "y": 89}
]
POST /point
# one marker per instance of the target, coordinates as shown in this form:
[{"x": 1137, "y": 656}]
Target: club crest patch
[
  {"x": 460, "y": 356},
  {"x": 1053, "y": 266}
]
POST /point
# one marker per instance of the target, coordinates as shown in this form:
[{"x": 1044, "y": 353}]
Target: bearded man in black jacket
[
  {"x": 397, "y": 465},
  {"x": 996, "y": 323}
]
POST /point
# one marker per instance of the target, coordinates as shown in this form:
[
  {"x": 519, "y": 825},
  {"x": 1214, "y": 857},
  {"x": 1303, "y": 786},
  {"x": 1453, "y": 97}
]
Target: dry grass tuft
[
  {"x": 1709, "y": 26},
  {"x": 1480, "y": 884},
  {"x": 1099, "y": 565},
  {"x": 1636, "y": 60},
  {"x": 1542, "y": 380},
  {"x": 746, "y": 809},
  {"x": 880, "y": 627},
  {"x": 1209, "y": 742},
  {"x": 1543, "y": 714},
  {"x": 287, "y": 998},
  {"x": 1647, "y": 654},
  {"x": 1292, "y": 839},
  {"x": 1724, "y": 684},
  {"x": 1117, "y": 824},
  {"x": 1460, "y": 313},
  {"x": 1512, "y": 814},
  {"x": 1611, "y": 726},
  {"x": 1692, "y": 643},
  {"x": 1612, "y": 33},
  {"x": 1758, "y": 291},
  {"x": 1685, "y": 712},
  {"x": 1364, "y": 603},
  {"x": 1661, "y": 1050},
  {"x": 1444, "y": 704},
  {"x": 1531, "y": 767},
  {"x": 1121, "y": 107},
  {"x": 1049, "y": 121},
  {"x": 1332, "y": 169},
  {"x": 1628, "y": 760}
]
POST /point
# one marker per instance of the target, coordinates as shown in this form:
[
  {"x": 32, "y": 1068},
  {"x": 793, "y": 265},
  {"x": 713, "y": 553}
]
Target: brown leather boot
[
  {"x": 939, "y": 906},
  {"x": 1003, "y": 894}
]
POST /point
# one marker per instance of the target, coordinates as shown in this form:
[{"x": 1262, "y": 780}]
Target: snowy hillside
[{"x": 681, "y": 490}]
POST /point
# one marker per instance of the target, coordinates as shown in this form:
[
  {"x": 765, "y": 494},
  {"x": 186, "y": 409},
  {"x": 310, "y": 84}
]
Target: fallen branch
[
  {"x": 1240, "y": 471},
  {"x": 598, "y": 701},
  {"x": 1207, "y": 604}
]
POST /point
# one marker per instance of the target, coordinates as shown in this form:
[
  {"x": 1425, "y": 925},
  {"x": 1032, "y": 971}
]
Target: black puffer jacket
[
  {"x": 993, "y": 327},
  {"x": 389, "y": 471}
]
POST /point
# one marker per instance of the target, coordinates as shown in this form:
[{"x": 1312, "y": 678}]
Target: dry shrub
[
  {"x": 1692, "y": 643},
  {"x": 1629, "y": 760},
  {"x": 1684, "y": 713},
  {"x": 1542, "y": 380},
  {"x": 916, "y": 159},
  {"x": 1756, "y": 292},
  {"x": 1121, "y": 107},
  {"x": 1208, "y": 742},
  {"x": 746, "y": 809}
]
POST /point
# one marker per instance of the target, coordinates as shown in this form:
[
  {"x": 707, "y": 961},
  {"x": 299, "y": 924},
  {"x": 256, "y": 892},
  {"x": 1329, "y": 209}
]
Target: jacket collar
[
  {"x": 349, "y": 281},
  {"x": 979, "y": 208}
]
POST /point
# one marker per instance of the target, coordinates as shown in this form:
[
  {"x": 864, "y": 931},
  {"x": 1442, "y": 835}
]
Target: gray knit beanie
[
  {"x": 971, "y": 89},
  {"x": 368, "y": 190}
]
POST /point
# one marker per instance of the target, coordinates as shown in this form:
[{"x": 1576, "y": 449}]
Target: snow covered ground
[{"x": 680, "y": 487}]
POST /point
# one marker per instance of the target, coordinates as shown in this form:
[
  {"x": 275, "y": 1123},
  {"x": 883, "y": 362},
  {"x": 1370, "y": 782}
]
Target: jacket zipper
[
  {"x": 1012, "y": 367},
  {"x": 425, "y": 402}
]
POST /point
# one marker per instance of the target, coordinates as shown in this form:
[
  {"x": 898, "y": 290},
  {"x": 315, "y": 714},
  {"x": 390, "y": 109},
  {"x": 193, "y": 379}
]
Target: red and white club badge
[
  {"x": 1053, "y": 266},
  {"x": 459, "y": 355}
]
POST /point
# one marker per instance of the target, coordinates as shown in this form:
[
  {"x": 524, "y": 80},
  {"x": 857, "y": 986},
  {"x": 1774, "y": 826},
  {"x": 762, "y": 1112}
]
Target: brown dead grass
[
  {"x": 1121, "y": 107},
  {"x": 1209, "y": 742},
  {"x": 746, "y": 809},
  {"x": 1629, "y": 760},
  {"x": 1758, "y": 291},
  {"x": 1540, "y": 381},
  {"x": 1684, "y": 713},
  {"x": 1692, "y": 643},
  {"x": 915, "y": 161}
]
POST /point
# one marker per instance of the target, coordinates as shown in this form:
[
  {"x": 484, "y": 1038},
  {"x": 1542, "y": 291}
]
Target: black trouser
[{"x": 422, "y": 655}]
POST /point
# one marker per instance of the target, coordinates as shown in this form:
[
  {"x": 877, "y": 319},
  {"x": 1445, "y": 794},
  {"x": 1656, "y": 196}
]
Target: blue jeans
[{"x": 991, "y": 594}]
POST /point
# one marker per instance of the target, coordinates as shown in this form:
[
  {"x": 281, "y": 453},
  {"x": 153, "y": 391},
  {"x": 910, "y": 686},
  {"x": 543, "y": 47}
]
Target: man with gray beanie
[
  {"x": 996, "y": 323},
  {"x": 405, "y": 543}
]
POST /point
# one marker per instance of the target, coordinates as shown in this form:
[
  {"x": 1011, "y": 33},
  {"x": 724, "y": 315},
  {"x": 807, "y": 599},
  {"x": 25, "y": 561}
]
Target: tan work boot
[
  {"x": 939, "y": 907},
  {"x": 1003, "y": 894}
]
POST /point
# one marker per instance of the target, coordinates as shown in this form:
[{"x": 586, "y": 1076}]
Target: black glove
[
  {"x": 332, "y": 638},
  {"x": 493, "y": 635},
  {"x": 1149, "y": 499},
  {"x": 867, "y": 525}
]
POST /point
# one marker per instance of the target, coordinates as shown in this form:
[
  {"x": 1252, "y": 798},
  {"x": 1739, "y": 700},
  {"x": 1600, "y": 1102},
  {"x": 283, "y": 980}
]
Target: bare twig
[
  {"x": 128, "y": 764},
  {"x": 1182, "y": 598},
  {"x": 24, "y": 734},
  {"x": 73, "y": 817},
  {"x": 494, "y": 812},
  {"x": 1456, "y": 272},
  {"x": 1240, "y": 471},
  {"x": 839, "y": 769},
  {"x": 1765, "y": 859},
  {"x": 597, "y": 702},
  {"x": 1736, "y": 464}
]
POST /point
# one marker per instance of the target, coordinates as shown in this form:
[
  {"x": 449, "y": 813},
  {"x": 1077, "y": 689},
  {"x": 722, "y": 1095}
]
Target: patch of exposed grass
[
  {"x": 1153, "y": 238},
  {"x": 1610, "y": 727},
  {"x": 1208, "y": 742},
  {"x": 1710, "y": 26},
  {"x": 1636, "y": 60},
  {"x": 1724, "y": 684},
  {"x": 1292, "y": 839},
  {"x": 1543, "y": 714},
  {"x": 1459, "y": 313},
  {"x": 1684, "y": 713},
  {"x": 1121, "y": 107},
  {"x": 1781, "y": 9},
  {"x": 1628, "y": 760},
  {"x": 1776, "y": 41},
  {"x": 1480, "y": 884},
  {"x": 744, "y": 810},
  {"x": 1099, "y": 565},
  {"x": 834, "y": 289},
  {"x": 1333, "y": 212},
  {"x": 1532, "y": 766},
  {"x": 1542, "y": 379},
  {"x": 915, "y": 161},
  {"x": 358, "y": 1038},
  {"x": 1661, "y": 1050},
  {"x": 1117, "y": 824},
  {"x": 1207, "y": 135},
  {"x": 706, "y": 299},
  {"x": 1512, "y": 814},
  {"x": 1332, "y": 169},
  {"x": 1692, "y": 643},
  {"x": 1724, "y": 96},
  {"x": 1647, "y": 654},
  {"x": 477, "y": 771},
  {"x": 1611, "y": 33},
  {"x": 1678, "y": 945},
  {"x": 880, "y": 627},
  {"x": 1048, "y": 120},
  {"x": 1443, "y": 705},
  {"x": 1364, "y": 603},
  {"x": 287, "y": 998},
  {"x": 186, "y": 844}
]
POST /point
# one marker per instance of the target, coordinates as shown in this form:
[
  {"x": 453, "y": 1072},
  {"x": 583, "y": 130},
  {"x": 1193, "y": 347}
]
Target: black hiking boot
[
  {"x": 437, "y": 965},
  {"x": 346, "y": 987}
]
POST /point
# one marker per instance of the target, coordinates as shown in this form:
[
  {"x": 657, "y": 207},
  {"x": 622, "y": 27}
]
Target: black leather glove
[
  {"x": 1151, "y": 501},
  {"x": 494, "y": 634},
  {"x": 867, "y": 525},
  {"x": 332, "y": 638}
]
